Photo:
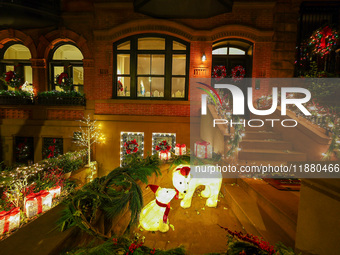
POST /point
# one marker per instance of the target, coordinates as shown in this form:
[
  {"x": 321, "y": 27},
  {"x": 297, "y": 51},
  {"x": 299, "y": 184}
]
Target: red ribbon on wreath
[
  {"x": 238, "y": 73},
  {"x": 61, "y": 77},
  {"x": 326, "y": 31},
  {"x": 219, "y": 72}
]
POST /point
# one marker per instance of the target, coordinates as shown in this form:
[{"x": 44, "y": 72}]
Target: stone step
[
  {"x": 281, "y": 207},
  {"x": 261, "y": 135},
  {"x": 272, "y": 155},
  {"x": 265, "y": 144},
  {"x": 251, "y": 215}
]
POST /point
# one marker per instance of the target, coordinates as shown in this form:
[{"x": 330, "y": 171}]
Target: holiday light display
[
  {"x": 219, "y": 72},
  {"x": 88, "y": 135},
  {"x": 186, "y": 180},
  {"x": 37, "y": 203},
  {"x": 323, "y": 41},
  {"x": 157, "y": 138},
  {"x": 154, "y": 216},
  {"x": 180, "y": 149},
  {"x": 9, "y": 220},
  {"x": 128, "y": 146},
  {"x": 203, "y": 149}
]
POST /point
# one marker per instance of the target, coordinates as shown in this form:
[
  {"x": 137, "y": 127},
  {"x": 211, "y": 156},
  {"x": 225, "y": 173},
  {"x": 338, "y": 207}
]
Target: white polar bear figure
[
  {"x": 186, "y": 180},
  {"x": 154, "y": 216}
]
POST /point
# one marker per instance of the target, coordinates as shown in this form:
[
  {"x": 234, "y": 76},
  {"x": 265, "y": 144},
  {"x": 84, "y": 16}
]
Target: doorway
[{"x": 234, "y": 56}]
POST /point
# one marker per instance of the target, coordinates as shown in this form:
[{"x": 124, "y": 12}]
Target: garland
[
  {"x": 238, "y": 73},
  {"x": 219, "y": 72},
  {"x": 323, "y": 41},
  {"x": 163, "y": 147},
  {"x": 64, "y": 81},
  {"x": 131, "y": 146}
]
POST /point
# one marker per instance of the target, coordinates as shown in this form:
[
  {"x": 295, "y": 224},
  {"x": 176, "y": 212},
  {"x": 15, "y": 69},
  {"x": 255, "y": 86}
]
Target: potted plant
[{"x": 60, "y": 98}]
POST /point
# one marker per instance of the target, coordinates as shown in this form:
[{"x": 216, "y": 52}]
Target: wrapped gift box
[
  {"x": 55, "y": 192},
  {"x": 36, "y": 203},
  {"x": 164, "y": 155},
  {"x": 9, "y": 220},
  {"x": 180, "y": 149},
  {"x": 203, "y": 149}
]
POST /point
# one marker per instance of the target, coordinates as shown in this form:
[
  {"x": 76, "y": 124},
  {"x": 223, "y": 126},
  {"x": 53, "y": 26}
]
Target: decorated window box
[
  {"x": 55, "y": 192},
  {"x": 164, "y": 155},
  {"x": 203, "y": 149},
  {"x": 15, "y": 98},
  {"x": 37, "y": 203},
  {"x": 9, "y": 220},
  {"x": 180, "y": 149},
  {"x": 60, "y": 98}
]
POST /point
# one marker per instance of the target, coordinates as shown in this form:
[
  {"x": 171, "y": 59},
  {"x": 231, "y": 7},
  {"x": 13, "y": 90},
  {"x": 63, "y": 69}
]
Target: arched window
[
  {"x": 16, "y": 57},
  {"x": 67, "y": 58},
  {"x": 151, "y": 67}
]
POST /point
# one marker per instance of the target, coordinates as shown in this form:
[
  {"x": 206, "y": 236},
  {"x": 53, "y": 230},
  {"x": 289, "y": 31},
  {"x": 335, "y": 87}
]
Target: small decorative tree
[{"x": 89, "y": 133}]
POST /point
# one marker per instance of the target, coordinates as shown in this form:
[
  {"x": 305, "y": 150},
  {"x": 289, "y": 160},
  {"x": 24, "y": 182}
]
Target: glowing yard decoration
[
  {"x": 164, "y": 155},
  {"x": 9, "y": 220},
  {"x": 37, "y": 203},
  {"x": 180, "y": 149},
  {"x": 186, "y": 180},
  {"x": 154, "y": 215},
  {"x": 88, "y": 135},
  {"x": 203, "y": 149}
]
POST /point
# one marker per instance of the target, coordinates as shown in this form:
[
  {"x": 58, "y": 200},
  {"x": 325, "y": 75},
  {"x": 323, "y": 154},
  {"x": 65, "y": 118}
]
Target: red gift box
[
  {"x": 9, "y": 220},
  {"x": 36, "y": 203},
  {"x": 180, "y": 149}
]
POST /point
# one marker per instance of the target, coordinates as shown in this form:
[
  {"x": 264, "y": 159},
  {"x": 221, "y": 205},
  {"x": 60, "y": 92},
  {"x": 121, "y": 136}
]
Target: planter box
[
  {"x": 61, "y": 100},
  {"x": 15, "y": 100}
]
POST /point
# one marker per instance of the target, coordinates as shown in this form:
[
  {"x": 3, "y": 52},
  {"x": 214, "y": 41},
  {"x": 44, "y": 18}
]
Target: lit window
[
  {"x": 68, "y": 59},
  {"x": 17, "y": 58},
  {"x": 151, "y": 67}
]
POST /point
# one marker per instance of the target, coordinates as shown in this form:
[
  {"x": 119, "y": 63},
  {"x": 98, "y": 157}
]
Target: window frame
[
  {"x": 19, "y": 64},
  {"x": 134, "y": 52},
  {"x": 66, "y": 64}
]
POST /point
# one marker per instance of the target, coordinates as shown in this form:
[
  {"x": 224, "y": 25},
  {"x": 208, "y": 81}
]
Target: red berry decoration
[{"x": 238, "y": 73}]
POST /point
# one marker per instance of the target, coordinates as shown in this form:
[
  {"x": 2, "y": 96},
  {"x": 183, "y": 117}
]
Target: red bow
[
  {"x": 61, "y": 77},
  {"x": 326, "y": 31},
  {"x": 167, "y": 210},
  {"x": 37, "y": 196},
  {"x": 52, "y": 149}
]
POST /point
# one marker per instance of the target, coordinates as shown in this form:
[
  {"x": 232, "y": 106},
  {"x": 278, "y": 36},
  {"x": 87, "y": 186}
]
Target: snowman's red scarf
[{"x": 167, "y": 210}]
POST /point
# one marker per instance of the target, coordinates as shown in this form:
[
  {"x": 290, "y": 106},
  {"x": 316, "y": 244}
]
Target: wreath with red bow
[
  {"x": 163, "y": 147},
  {"x": 238, "y": 73},
  {"x": 323, "y": 40},
  {"x": 51, "y": 150},
  {"x": 219, "y": 72},
  {"x": 131, "y": 146},
  {"x": 64, "y": 81},
  {"x": 12, "y": 79}
]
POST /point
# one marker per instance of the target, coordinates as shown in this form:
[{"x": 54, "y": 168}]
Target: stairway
[{"x": 263, "y": 144}]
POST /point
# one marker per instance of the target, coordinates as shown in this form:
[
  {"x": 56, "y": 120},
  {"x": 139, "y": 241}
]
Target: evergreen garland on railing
[{"x": 112, "y": 195}]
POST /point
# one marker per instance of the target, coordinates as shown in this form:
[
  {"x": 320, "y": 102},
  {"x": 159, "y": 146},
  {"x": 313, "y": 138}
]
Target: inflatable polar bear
[
  {"x": 154, "y": 215},
  {"x": 186, "y": 182}
]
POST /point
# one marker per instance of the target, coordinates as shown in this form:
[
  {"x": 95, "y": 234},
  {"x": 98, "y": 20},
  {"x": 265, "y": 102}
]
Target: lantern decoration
[
  {"x": 9, "y": 220},
  {"x": 154, "y": 216},
  {"x": 323, "y": 41},
  {"x": 37, "y": 203},
  {"x": 131, "y": 146},
  {"x": 238, "y": 73},
  {"x": 203, "y": 149},
  {"x": 180, "y": 149},
  {"x": 219, "y": 72},
  {"x": 55, "y": 192},
  {"x": 163, "y": 149},
  {"x": 186, "y": 181}
]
